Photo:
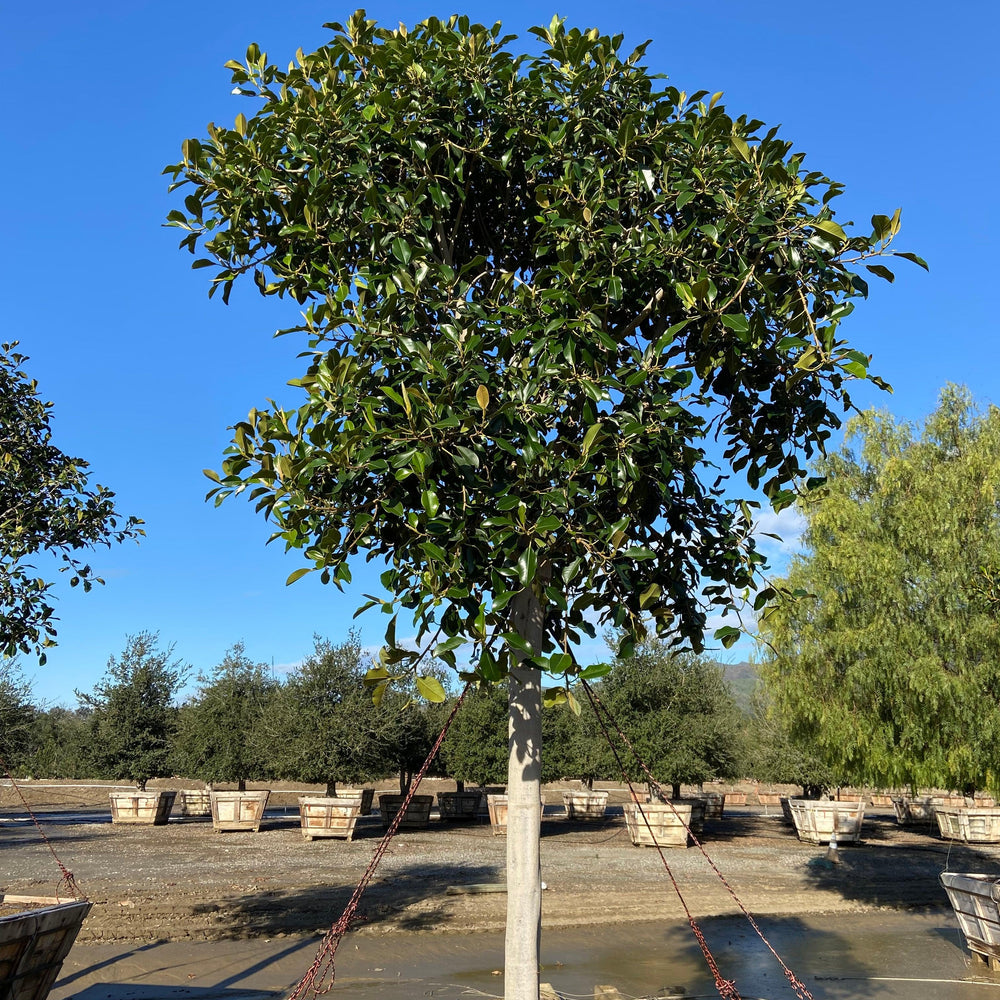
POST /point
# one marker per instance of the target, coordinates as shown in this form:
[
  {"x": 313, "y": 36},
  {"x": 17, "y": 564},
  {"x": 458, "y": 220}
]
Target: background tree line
[{"x": 319, "y": 724}]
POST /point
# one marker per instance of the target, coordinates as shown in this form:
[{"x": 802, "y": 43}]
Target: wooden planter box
[
  {"x": 238, "y": 810},
  {"x": 715, "y": 804},
  {"x": 585, "y": 805},
  {"x": 33, "y": 946},
  {"x": 459, "y": 805},
  {"x": 980, "y": 825},
  {"x": 698, "y": 810},
  {"x": 736, "y": 798},
  {"x": 659, "y": 824},
  {"x": 195, "y": 802},
  {"x": 497, "y": 805},
  {"x": 815, "y": 821},
  {"x": 149, "y": 808},
  {"x": 328, "y": 816},
  {"x": 786, "y": 809},
  {"x": 768, "y": 799},
  {"x": 881, "y": 799},
  {"x": 417, "y": 815},
  {"x": 914, "y": 810},
  {"x": 974, "y": 898},
  {"x": 367, "y": 796}
]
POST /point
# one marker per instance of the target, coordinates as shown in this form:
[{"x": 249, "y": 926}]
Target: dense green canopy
[
  {"x": 679, "y": 715},
  {"x": 221, "y": 736},
  {"x": 535, "y": 287},
  {"x": 133, "y": 718}
]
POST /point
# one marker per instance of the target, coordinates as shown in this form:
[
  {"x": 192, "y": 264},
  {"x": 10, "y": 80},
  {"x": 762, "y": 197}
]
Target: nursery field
[{"x": 183, "y": 881}]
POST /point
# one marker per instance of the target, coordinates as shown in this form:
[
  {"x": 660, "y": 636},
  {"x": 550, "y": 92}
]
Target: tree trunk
[
  {"x": 459, "y": 786},
  {"x": 331, "y": 789},
  {"x": 241, "y": 785},
  {"x": 524, "y": 769},
  {"x": 142, "y": 784},
  {"x": 675, "y": 790}
]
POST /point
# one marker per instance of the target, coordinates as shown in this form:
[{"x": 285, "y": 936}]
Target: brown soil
[{"x": 183, "y": 881}]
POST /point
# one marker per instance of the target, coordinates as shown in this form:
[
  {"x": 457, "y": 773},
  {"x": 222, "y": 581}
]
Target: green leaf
[
  {"x": 727, "y": 635},
  {"x": 488, "y": 668},
  {"x": 430, "y": 689},
  {"x": 831, "y": 228},
  {"x": 453, "y": 642},
  {"x": 429, "y": 499},
  {"x": 739, "y": 146},
  {"x": 595, "y": 671},
  {"x": 527, "y": 567},
  {"x": 514, "y": 641},
  {"x": 738, "y": 324},
  {"x": 649, "y": 595},
  {"x": 912, "y": 257},
  {"x": 298, "y": 574},
  {"x": 560, "y": 662},
  {"x": 553, "y": 697},
  {"x": 590, "y": 437},
  {"x": 882, "y": 271}
]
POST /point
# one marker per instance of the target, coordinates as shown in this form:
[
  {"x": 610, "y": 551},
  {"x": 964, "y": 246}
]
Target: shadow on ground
[{"x": 421, "y": 888}]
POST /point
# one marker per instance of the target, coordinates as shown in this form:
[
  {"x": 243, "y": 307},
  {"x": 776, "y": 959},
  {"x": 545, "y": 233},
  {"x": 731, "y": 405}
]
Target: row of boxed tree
[{"x": 319, "y": 724}]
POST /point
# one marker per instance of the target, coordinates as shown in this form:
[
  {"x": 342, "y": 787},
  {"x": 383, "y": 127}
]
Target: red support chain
[
  {"x": 796, "y": 984},
  {"x": 726, "y": 988},
  {"x": 321, "y": 974},
  {"x": 67, "y": 876}
]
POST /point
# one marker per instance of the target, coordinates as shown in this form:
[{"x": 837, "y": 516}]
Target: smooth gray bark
[{"x": 524, "y": 771}]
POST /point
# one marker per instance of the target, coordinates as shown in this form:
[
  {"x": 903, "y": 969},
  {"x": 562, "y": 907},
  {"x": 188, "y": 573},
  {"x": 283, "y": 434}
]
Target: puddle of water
[
  {"x": 883, "y": 957},
  {"x": 890, "y": 956}
]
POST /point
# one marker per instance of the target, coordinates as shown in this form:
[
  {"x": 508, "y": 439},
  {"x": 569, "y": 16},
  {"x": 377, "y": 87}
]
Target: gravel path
[{"x": 183, "y": 881}]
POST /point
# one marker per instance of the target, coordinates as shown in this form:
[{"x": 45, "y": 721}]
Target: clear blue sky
[{"x": 896, "y": 100}]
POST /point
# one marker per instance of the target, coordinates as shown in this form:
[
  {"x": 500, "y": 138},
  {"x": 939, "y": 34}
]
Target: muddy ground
[{"x": 183, "y": 881}]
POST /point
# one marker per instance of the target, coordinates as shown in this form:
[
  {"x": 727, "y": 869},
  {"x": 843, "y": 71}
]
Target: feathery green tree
[
  {"x": 891, "y": 665},
  {"x": 17, "y": 716}
]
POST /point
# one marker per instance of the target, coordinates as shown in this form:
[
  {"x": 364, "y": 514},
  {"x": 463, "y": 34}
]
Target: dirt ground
[{"x": 184, "y": 882}]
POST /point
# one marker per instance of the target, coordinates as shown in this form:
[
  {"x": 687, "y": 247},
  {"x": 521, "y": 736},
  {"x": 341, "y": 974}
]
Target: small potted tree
[
  {"x": 132, "y": 724},
  {"x": 220, "y": 738},
  {"x": 575, "y": 749},
  {"x": 407, "y": 740},
  {"x": 475, "y": 752},
  {"x": 680, "y": 716},
  {"x": 779, "y": 756},
  {"x": 329, "y": 731}
]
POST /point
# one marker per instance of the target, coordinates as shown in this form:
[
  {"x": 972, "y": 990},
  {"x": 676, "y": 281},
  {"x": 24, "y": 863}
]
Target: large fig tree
[{"x": 539, "y": 292}]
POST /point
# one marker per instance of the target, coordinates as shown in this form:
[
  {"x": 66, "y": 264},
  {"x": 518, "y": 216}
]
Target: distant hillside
[{"x": 742, "y": 679}]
